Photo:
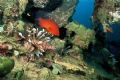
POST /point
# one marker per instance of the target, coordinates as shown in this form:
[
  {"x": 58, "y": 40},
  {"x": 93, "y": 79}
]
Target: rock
[
  {"x": 63, "y": 13},
  {"x": 6, "y": 65},
  {"x": 68, "y": 66},
  {"x": 57, "y": 69},
  {"x": 12, "y": 9},
  {"x": 22, "y": 5},
  {"x": 40, "y": 3},
  {"x": 45, "y": 74}
]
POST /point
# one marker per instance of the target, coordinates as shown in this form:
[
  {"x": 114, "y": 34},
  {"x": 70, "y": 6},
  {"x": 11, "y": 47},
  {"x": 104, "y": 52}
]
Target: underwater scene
[{"x": 59, "y": 39}]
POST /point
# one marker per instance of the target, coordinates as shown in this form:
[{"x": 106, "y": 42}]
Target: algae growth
[{"x": 29, "y": 51}]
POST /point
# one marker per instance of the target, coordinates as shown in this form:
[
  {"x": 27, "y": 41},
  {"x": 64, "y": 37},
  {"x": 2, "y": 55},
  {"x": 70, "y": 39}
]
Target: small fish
[
  {"x": 49, "y": 25},
  {"x": 108, "y": 29}
]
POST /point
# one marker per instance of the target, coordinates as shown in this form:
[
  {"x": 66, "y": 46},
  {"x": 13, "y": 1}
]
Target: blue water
[
  {"x": 82, "y": 15},
  {"x": 83, "y": 12},
  {"x": 115, "y": 35}
]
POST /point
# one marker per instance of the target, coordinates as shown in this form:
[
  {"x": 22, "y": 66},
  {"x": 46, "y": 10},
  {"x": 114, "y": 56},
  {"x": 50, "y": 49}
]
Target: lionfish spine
[{"x": 42, "y": 45}]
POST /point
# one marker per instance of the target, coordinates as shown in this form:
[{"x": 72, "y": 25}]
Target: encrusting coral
[
  {"x": 79, "y": 39},
  {"x": 6, "y": 65}
]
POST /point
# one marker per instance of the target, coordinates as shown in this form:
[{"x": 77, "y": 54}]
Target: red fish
[{"x": 49, "y": 25}]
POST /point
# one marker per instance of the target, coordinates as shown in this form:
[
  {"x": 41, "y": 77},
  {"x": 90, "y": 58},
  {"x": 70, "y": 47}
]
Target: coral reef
[
  {"x": 77, "y": 54},
  {"x": 106, "y": 13},
  {"x": 65, "y": 66},
  {"x": 79, "y": 39}
]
